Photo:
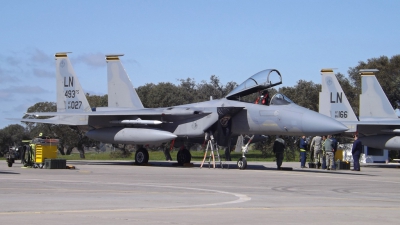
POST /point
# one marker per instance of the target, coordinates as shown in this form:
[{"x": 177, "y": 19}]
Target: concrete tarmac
[{"x": 118, "y": 192}]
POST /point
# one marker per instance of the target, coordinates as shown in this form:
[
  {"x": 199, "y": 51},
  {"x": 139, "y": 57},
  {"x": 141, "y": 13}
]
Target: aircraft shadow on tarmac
[
  {"x": 226, "y": 165},
  {"x": 341, "y": 172},
  {"x": 7, "y": 172}
]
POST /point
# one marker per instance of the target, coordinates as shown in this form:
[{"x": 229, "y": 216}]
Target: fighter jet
[
  {"x": 377, "y": 125},
  {"x": 133, "y": 124}
]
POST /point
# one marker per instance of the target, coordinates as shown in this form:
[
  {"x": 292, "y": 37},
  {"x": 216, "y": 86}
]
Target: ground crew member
[
  {"x": 334, "y": 147},
  {"x": 356, "y": 152},
  {"x": 303, "y": 153},
  {"x": 329, "y": 153},
  {"x": 31, "y": 155},
  {"x": 334, "y": 143},
  {"x": 323, "y": 163},
  {"x": 279, "y": 147},
  {"x": 316, "y": 144}
]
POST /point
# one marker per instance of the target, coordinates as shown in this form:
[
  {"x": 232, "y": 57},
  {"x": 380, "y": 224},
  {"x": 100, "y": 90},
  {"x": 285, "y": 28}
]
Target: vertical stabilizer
[
  {"x": 373, "y": 100},
  {"x": 121, "y": 92},
  {"x": 70, "y": 95},
  {"x": 332, "y": 100}
]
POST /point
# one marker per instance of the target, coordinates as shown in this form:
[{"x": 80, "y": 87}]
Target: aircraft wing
[
  {"x": 173, "y": 111},
  {"x": 54, "y": 120},
  {"x": 380, "y": 123}
]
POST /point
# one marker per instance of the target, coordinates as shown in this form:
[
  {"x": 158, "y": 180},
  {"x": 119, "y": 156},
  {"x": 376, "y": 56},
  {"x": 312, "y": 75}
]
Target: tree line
[{"x": 165, "y": 94}]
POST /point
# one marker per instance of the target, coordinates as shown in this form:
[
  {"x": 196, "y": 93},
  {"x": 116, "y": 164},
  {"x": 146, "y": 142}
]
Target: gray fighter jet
[
  {"x": 378, "y": 125},
  {"x": 128, "y": 122}
]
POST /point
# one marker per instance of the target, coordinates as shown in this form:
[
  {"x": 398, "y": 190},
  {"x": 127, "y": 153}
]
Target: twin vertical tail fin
[
  {"x": 121, "y": 93},
  {"x": 373, "y": 101},
  {"x": 70, "y": 94},
  {"x": 333, "y": 101}
]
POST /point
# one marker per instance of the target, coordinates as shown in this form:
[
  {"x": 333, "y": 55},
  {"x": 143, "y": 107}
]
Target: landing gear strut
[{"x": 242, "y": 162}]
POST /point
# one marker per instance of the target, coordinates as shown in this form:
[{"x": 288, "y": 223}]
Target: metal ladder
[{"x": 212, "y": 145}]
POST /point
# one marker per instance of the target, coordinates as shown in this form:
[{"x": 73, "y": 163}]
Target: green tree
[
  {"x": 304, "y": 93},
  {"x": 214, "y": 89},
  {"x": 97, "y": 100},
  {"x": 388, "y": 76},
  {"x": 12, "y": 135},
  {"x": 160, "y": 95},
  {"x": 168, "y": 94}
]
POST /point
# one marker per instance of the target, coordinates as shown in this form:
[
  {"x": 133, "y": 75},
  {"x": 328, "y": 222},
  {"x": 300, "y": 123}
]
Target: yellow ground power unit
[
  {"x": 45, "y": 151},
  {"x": 38, "y": 151}
]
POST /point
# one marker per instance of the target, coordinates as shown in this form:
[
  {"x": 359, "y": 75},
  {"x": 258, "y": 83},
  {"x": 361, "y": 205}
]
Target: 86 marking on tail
[{"x": 340, "y": 114}]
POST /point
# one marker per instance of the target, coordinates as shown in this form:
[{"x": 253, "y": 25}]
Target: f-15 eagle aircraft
[
  {"x": 378, "y": 125},
  {"x": 134, "y": 124}
]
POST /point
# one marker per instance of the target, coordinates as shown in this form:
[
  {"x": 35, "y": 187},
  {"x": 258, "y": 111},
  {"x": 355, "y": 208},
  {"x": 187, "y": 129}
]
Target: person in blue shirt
[
  {"x": 303, "y": 153},
  {"x": 356, "y": 152}
]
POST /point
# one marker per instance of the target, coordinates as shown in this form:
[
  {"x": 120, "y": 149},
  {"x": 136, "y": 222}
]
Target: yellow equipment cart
[{"x": 39, "y": 151}]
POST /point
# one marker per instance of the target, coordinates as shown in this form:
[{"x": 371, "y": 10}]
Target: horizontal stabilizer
[{"x": 70, "y": 121}]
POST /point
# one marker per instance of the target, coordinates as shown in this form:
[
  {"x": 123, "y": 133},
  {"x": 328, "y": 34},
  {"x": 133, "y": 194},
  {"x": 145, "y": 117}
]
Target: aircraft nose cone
[{"x": 317, "y": 124}]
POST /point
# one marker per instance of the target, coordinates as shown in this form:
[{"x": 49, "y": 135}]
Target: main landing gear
[
  {"x": 183, "y": 156},
  {"x": 141, "y": 156}
]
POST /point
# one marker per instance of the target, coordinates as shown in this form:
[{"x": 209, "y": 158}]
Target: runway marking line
[
  {"x": 240, "y": 197},
  {"x": 198, "y": 209}
]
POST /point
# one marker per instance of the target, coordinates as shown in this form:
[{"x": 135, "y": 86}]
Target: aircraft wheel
[
  {"x": 242, "y": 163},
  {"x": 141, "y": 156},
  {"x": 9, "y": 164},
  {"x": 183, "y": 156}
]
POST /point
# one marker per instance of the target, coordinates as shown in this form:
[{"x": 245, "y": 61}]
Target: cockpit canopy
[
  {"x": 280, "y": 99},
  {"x": 259, "y": 81}
]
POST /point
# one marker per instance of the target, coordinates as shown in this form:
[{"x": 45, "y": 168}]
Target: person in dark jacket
[
  {"x": 303, "y": 153},
  {"x": 334, "y": 145},
  {"x": 279, "y": 147},
  {"x": 356, "y": 152}
]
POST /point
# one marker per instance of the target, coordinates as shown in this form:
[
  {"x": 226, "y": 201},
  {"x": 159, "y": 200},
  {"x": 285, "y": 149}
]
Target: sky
[{"x": 165, "y": 41}]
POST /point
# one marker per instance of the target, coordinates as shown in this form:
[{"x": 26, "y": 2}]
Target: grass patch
[{"x": 253, "y": 155}]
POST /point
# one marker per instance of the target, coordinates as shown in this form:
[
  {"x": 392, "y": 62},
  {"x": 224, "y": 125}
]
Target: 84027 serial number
[{"x": 74, "y": 104}]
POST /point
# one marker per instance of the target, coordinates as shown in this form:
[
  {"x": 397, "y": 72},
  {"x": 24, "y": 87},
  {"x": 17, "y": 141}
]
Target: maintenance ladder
[{"x": 213, "y": 147}]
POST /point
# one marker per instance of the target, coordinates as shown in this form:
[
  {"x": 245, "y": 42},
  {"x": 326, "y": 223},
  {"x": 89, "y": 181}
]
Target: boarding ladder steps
[{"x": 212, "y": 145}]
